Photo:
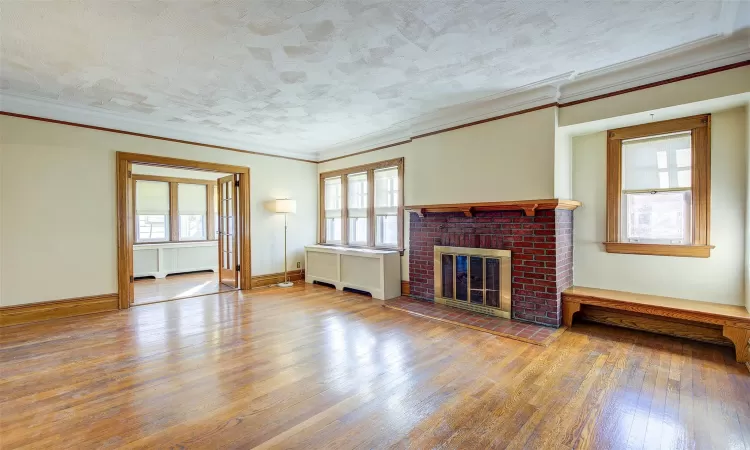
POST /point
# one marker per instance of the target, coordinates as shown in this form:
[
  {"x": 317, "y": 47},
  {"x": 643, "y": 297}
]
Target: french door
[{"x": 228, "y": 259}]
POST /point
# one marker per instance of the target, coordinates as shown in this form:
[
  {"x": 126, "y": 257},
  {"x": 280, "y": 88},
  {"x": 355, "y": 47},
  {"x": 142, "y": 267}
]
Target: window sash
[
  {"x": 185, "y": 223},
  {"x": 626, "y": 223},
  {"x": 657, "y": 162},
  {"x": 192, "y": 199},
  {"x": 151, "y": 198},
  {"x": 144, "y": 226}
]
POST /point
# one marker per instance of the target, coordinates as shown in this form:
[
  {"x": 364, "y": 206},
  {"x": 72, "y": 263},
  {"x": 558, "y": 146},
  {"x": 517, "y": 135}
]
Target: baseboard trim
[
  {"x": 57, "y": 309},
  {"x": 405, "y": 290},
  {"x": 276, "y": 278}
]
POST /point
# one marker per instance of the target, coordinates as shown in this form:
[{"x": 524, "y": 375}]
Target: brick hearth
[{"x": 541, "y": 246}]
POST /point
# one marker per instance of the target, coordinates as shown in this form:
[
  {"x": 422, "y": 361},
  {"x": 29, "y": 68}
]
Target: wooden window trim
[
  {"x": 700, "y": 129},
  {"x": 174, "y": 216},
  {"x": 370, "y": 170}
]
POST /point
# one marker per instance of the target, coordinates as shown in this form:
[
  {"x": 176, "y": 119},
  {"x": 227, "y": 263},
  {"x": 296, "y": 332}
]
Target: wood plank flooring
[
  {"x": 308, "y": 367},
  {"x": 151, "y": 290}
]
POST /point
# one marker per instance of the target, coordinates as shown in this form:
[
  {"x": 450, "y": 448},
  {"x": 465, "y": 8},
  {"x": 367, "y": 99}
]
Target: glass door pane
[
  {"x": 493, "y": 282},
  {"x": 446, "y": 262},
  {"x": 462, "y": 277},
  {"x": 477, "y": 279}
]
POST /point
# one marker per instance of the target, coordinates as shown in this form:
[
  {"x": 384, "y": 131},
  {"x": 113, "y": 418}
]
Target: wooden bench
[{"x": 711, "y": 322}]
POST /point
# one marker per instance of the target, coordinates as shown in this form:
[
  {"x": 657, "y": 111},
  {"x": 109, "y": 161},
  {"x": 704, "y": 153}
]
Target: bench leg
[
  {"x": 569, "y": 308},
  {"x": 740, "y": 338}
]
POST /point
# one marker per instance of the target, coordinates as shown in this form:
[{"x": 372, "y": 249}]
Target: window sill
[{"x": 690, "y": 251}]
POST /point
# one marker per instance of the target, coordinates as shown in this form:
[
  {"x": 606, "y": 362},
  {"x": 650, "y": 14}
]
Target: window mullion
[{"x": 174, "y": 217}]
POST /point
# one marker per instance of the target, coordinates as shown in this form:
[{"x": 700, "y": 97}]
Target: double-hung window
[
  {"x": 357, "y": 208},
  {"x": 332, "y": 212},
  {"x": 387, "y": 195},
  {"x": 193, "y": 207},
  {"x": 363, "y": 206},
  {"x": 152, "y": 211},
  {"x": 658, "y": 188}
]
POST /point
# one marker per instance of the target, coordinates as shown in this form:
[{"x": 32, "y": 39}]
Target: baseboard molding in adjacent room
[
  {"x": 405, "y": 288},
  {"x": 38, "y": 312},
  {"x": 276, "y": 278}
]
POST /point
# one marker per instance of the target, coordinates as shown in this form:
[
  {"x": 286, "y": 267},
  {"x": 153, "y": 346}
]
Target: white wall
[
  {"x": 507, "y": 159},
  {"x": 58, "y": 225},
  {"x": 718, "y": 279}
]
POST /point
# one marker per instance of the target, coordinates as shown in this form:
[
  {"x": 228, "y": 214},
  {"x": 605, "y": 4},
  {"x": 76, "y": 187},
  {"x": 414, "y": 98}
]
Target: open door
[{"x": 228, "y": 259}]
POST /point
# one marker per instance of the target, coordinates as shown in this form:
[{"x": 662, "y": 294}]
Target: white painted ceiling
[{"x": 301, "y": 76}]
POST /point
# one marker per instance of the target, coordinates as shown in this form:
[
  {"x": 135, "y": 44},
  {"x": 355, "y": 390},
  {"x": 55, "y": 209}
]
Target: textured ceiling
[{"x": 303, "y": 75}]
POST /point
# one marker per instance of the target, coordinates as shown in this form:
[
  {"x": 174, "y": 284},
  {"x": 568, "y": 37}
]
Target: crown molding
[
  {"x": 696, "y": 56},
  {"x": 44, "y": 108}
]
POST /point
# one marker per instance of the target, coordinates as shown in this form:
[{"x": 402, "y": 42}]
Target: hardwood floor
[
  {"x": 308, "y": 367},
  {"x": 150, "y": 290}
]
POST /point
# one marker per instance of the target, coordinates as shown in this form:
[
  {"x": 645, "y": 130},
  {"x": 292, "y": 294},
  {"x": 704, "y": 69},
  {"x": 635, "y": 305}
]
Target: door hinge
[
  {"x": 237, "y": 183},
  {"x": 132, "y": 279},
  {"x": 238, "y": 267},
  {"x": 130, "y": 174}
]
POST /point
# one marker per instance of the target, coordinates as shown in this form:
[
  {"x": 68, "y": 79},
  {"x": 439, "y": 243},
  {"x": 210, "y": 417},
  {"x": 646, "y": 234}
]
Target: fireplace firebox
[{"x": 475, "y": 279}]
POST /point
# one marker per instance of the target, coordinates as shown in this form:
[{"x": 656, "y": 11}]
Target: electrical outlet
[{"x": 299, "y": 264}]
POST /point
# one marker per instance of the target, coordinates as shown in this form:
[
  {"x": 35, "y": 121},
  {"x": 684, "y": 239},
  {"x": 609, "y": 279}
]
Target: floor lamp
[{"x": 286, "y": 206}]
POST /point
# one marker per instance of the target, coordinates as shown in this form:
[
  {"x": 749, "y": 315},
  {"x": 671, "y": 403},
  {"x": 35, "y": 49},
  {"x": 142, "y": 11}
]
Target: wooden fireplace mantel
[{"x": 529, "y": 207}]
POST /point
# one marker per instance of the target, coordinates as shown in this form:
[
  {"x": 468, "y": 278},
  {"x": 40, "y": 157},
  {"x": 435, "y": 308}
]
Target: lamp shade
[{"x": 286, "y": 206}]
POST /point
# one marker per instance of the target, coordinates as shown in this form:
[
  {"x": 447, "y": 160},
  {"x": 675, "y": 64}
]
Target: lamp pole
[
  {"x": 285, "y": 206},
  {"x": 286, "y": 279}
]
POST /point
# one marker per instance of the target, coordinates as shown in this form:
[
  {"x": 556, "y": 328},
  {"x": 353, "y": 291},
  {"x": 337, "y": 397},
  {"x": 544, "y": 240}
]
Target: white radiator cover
[
  {"x": 375, "y": 271},
  {"x": 160, "y": 260}
]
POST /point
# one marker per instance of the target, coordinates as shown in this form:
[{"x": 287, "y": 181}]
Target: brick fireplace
[{"x": 541, "y": 248}]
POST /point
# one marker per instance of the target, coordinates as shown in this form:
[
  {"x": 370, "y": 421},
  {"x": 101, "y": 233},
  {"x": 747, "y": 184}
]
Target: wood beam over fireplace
[{"x": 529, "y": 207}]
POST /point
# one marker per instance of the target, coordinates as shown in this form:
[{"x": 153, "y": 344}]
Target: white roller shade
[
  {"x": 332, "y": 195},
  {"x": 191, "y": 199},
  {"x": 151, "y": 198},
  {"x": 357, "y": 190},
  {"x": 659, "y": 162},
  {"x": 386, "y": 191}
]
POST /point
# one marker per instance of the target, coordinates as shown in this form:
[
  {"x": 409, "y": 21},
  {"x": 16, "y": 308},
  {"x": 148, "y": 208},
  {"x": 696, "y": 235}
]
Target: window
[
  {"x": 192, "y": 206},
  {"x": 175, "y": 209},
  {"x": 152, "y": 211},
  {"x": 386, "y": 207},
  {"x": 658, "y": 181},
  {"x": 332, "y": 212},
  {"x": 363, "y": 206},
  {"x": 357, "y": 208}
]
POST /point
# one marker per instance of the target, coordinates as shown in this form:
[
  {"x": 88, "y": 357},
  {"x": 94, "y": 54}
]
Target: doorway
[
  {"x": 181, "y": 246},
  {"x": 183, "y": 228}
]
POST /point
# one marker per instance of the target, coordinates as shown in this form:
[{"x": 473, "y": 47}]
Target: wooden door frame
[{"x": 125, "y": 214}]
